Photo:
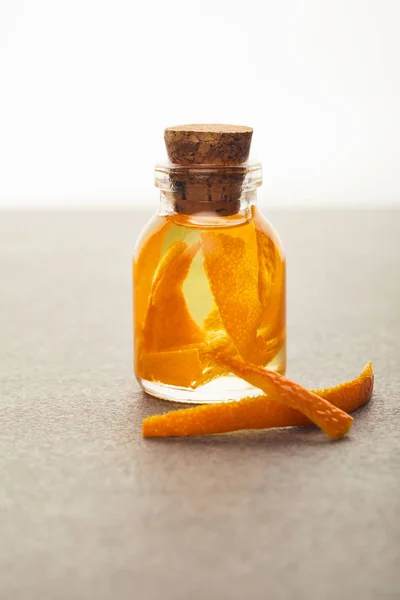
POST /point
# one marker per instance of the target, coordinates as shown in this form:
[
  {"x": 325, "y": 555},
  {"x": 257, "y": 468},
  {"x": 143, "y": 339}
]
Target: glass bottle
[{"x": 208, "y": 272}]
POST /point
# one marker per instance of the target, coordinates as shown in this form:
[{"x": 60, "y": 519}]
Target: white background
[{"x": 87, "y": 87}]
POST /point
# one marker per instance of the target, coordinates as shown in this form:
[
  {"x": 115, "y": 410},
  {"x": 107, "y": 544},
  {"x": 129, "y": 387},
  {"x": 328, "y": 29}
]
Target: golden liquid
[{"x": 200, "y": 300}]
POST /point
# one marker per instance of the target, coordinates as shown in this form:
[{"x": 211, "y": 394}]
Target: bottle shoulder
[
  {"x": 264, "y": 226},
  {"x": 186, "y": 227},
  {"x": 154, "y": 226}
]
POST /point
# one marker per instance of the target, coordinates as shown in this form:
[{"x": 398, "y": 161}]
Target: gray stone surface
[{"x": 90, "y": 510}]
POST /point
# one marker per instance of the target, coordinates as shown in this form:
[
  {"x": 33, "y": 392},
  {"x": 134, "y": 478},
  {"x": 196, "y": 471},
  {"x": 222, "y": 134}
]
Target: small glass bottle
[{"x": 208, "y": 272}]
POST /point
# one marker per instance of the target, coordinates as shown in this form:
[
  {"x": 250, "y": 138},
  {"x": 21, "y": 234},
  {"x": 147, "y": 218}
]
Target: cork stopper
[
  {"x": 196, "y": 145},
  {"x": 208, "y": 167}
]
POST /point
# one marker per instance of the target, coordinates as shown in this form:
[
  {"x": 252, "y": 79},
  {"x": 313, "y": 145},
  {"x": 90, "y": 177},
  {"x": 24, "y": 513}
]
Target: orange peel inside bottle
[
  {"x": 246, "y": 278},
  {"x": 169, "y": 324},
  {"x": 173, "y": 367},
  {"x": 241, "y": 266},
  {"x": 231, "y": 265}
]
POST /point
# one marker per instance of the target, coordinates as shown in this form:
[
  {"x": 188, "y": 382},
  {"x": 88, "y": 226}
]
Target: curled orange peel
[
  {"x": 260, "y": 412},
  {"x": 169, "y": 324},
  {"x": 246, "y": 278},
  {"x": 332, "y": 420},
  {"x": 173, "y": 268},
  {"x": 231, "y": 265}
]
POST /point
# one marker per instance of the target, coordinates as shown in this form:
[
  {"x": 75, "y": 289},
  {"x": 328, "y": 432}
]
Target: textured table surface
[{"x": 88, "y": 509}]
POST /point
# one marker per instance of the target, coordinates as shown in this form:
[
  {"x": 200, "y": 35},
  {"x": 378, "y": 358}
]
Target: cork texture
[{"x": 208, "y": 144}]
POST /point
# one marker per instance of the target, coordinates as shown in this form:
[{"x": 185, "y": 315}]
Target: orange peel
[
  {"x": 213, "y": 322},
  {"x": 231, "y": 265},
  {"x": 260, "y": 412},
  {"x": 176, "y": 367},
  {"x": 169, "y": 324},
  {"x": 246, "y": 278},
  {"x": 353, "y": 394},
  {"x": 216, "y": 341},
  {"x": 332, "y": 420}
]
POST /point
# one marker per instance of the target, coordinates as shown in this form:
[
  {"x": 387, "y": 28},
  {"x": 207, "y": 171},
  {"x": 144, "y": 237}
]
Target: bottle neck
[
  {"x": 202, "y": 206},
  {"x": 208, "y": 191}
]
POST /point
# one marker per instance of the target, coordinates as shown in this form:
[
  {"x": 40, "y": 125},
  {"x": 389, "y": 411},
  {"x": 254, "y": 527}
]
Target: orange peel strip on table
[
  {"x": 333, "y": 421},
  {"x": 260, "y": 412}
]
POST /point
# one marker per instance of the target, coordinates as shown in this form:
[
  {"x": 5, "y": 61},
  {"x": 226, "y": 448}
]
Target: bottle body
[{"x": 207, "y": 285}]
